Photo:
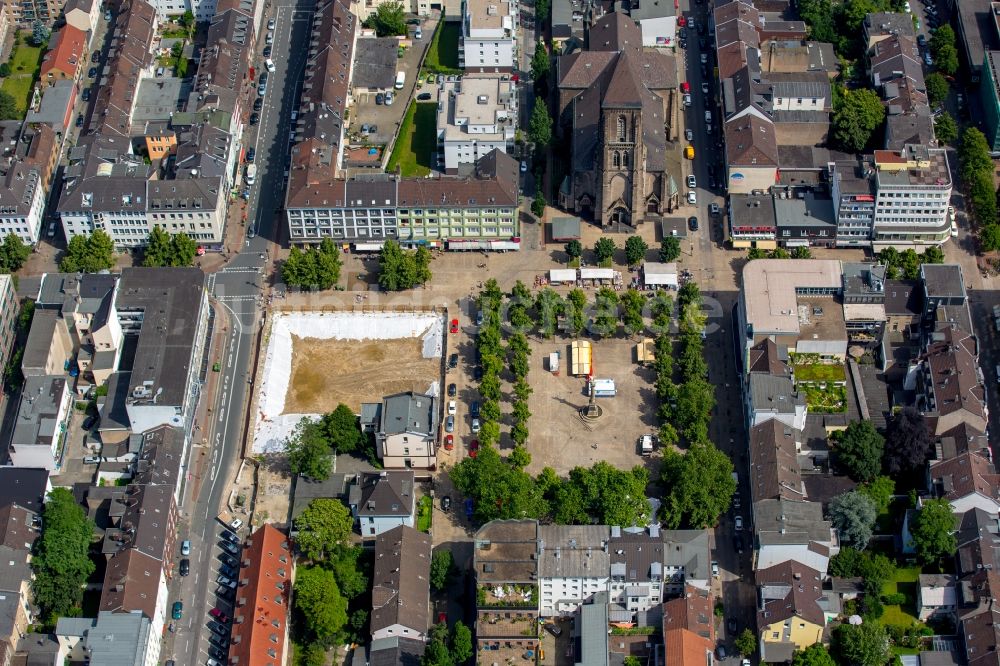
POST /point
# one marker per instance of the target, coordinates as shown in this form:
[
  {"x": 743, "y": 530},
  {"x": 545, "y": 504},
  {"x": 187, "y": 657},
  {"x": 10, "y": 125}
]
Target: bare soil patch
[{"x": 326, "y": 373}]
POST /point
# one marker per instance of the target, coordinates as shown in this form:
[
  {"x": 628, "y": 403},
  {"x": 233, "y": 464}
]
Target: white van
[
  {"x": 270, "y": 65},
  {"x": 400, "y": 80},
  {"x": 251, "y": 174}
]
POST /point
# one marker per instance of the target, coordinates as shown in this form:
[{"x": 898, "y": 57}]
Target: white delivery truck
[
  {"x": 646, "y": 445},
  {"x": 400, "y": 80},
  {"x": 554, "y": 363},
  {"x": 251, "y": 174}
]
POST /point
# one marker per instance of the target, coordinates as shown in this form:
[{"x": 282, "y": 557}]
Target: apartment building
[
  {"x": 66, "y": 56},
  {"x": 790, "y": 610},
  {"x": 853, "y": 193},
  {"x": 488, "y": 42},
  {"x": 407, "y": 431},
  {"x": 689, "y": 628},
  {"x": 29, "y": 155},
  {"x": 261, "y": 611},
  {"x": 382, "y": 501},
  {"x": 401, "y": 584},
  {"x": 130, "y": 58},
  {"x": 83, "y": 15},
  {"x": 574, "y": 564},
  {"x": 24, "y": 13},
  {"x": 476, "y": 115},
  {"x": 42, "y": 419},
  {"x": 9, "y": 310},
  {"x": 911, "y": 201},
  {"x": 109, "y": 638}
]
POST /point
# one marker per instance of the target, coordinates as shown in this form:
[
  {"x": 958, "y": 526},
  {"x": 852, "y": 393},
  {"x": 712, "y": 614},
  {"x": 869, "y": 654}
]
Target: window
[
  {"x": 625, "y": 160},
  {"x": 621, "y": 128},
  {"x": 616, "y": 159}
]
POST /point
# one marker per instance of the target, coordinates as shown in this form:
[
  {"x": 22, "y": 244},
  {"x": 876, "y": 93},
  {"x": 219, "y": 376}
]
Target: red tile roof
[
  {"x": 66, "y": 52},
  {"x": 262, "y": 600}
]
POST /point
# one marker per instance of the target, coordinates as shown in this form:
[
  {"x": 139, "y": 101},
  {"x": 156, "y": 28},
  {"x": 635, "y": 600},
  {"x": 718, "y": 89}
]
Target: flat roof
[
  {"x": 375, "y": 63},
  {"x": 487, "y": 14},
  {"x": 565, "y": 228},
  {"x": 769, "y": 290}
]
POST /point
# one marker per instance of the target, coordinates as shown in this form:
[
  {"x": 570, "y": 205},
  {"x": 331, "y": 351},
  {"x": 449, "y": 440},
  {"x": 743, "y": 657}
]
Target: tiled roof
[{"x": 400, "y": 582}]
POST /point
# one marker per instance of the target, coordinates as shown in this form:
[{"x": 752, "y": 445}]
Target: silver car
[{"x": 449, "y": 424}]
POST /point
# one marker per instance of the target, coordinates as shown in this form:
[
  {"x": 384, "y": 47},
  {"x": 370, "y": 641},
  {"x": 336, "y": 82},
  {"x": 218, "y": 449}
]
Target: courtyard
[
  {"x": 413, "y": 152},
  {"x": 25, "y": 63}
]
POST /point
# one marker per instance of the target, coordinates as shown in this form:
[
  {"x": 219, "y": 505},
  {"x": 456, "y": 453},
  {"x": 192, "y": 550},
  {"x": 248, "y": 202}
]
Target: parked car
[
  {"x": 228, "y": 571},
  {"x": 449, "y": 424},
  {"x": 185, "y": 547},
  {"x": 452, "y": 408},
  {"x": 553, "y": 629},
  {"x": 235, "y": 524},
  {"x": 454, "y": 326},
  {"x": 219, "y": 615},
  {"x": 477, "y": 373},
  {"x": 184, "y": 568},
  {"x": 423, "y": 97},
  {"x": 715, "y": 568},
  {"x": 270, "y": 24},
  {"x": 95, "y": 57},
  {"x": 474, "y": 448},
  {"x": 221, "y": 641},
  {"x": 474, "y": 409},
  {"x": 228, "y": 559},
  {"x": 379, "y": 99},
  {"x": 475, "y": 425},
  {"x": 254, "y": 117},
  {"x": 251, "y": 154},
  {"x": 452, "y": 390},
  {"x": 217, "y": 628},
  {"x": 388, "y": 98},
  {"x": 524, "y": 166},
  {"x": 85, "y": 95},
  {"x": 225, "y": 593},
  {"x": 739, "y": 522},
  {"x": 225, "y": 582},
  {"x": 90, "y": 422},
  {"x": 713, "y": 209},
  {"x": 230, "y": 548},
  {"x": 446, "y": 503},
  {"x": 230, "y": 536},
  {"x": 691, "y": 181},
  {"x": 453, "y": 361},
  {"x": 258, "y": 104},
  {"x": 689, "y": 134},
  {"x": 267, "y": 51},
  {"x": 216, "y": 653},
  {"x": 449, "y": 442},
  {"x": 79, "y": 120},
  {"x": 693, "y": 223},
  {"x": 92, "y": 460},
  {"x": 177, "y": 612},
  {"x": 92, "y": 72},
  {"x": 692, "y": 198}
]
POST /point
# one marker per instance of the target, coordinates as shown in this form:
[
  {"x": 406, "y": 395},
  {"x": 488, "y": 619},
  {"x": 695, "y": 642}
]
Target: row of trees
[
  {"x": 976, "y": 170},
  {"x": 862, "y": 452},
  {"x": 491, "y": 357},
  {"x": 61, "y": 563},
  {"x": 779, "y": 253},
  {"x": 906, "y": 264},
  {"x": 448, "y": 648},
  {"x": 605, "y": 248},
  {"x": 165, "y": 249},
  {"x": 311, "y": 446},
  {"x": 943, "y": 50},
  {"x": 314, "y": 267},
  {"x": 88, "y": 254},
  {"x": 329, "y": 589},
  {"x": 400, "y": 269}
]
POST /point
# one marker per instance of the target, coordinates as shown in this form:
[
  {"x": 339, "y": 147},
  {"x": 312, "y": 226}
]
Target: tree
[
  {"x": 908, "y": 442},
  {"x": 945, "y": 128},
  {"x": 13, "y": 253},
  {"x": 857, "y": 114},
  {"x": 519, "y": 458},
  {"x": 746, "y": 643},
  {"x": 538, "y": 205},
  {"x": 670, "y": 249},
  {"x": 574, "y": 249},
  {"x": 309, "y": 451},
  {"x": 635, "y": 250},
  {"x": 61, "y": 563},
  {"x": 853, "y": 514},
  {"x": 323, "y": 608},
  {"x": 698, "y": 486},
  {"x": 973, "y": 154},
  {"x": 8, "y": 107},
  {"x": 932, "y": 255},
  {"x": 577, "y": 300},
  {"x": 389, "y": 20},
  {"x": 314, "y": 654},
  {"x": 498, "y": 490},
  {"x": 39, "y": 33},
  {"x": 880, "y": 492},
  {"x": 163, "y": 249},
  {"x": 461, "y": 643},
  {"x": 863, "y": 644},
  {"x": 632, "y": 303},
  {"x": 942, "y": 46},
  {"x": 187, "y": 19},
  {"x": 88, "y": 254},
  {"x": 814, "y": 655},
  {"x": 613, "y": 496},
  {"x": 402, "y": 270},
  {"x": 989, "y": 237},
  {"x": 4, "y": 70},
  {"x": 323, "y": 526},
  {"x": 604, "y": 249},
  {"x": 437, "y": 653},
  {"x": 540, "y": 125},
  {"x": 937, "y": 88},
  {"x": 442, "y": 569},
  {"x": 933, "y": 531},
  {"x": 540, "y": 63},
  {"x": 342, "y": 431},
  {"x": 801, "y": 253},
  {"x": 858, "y": 450},
  {"x": 343, "y": 562}
]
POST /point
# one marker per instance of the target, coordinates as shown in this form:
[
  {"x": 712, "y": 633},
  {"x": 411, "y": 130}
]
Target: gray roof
[
  {"x": 39, "y": 649},
  {"x": 593, "y": 629},
  {"x": 652, "y": 9},
  {"x": 943, "y": 280},
  {"x": 395, "y": 651},
  {"x": 112, "y": 639},
  {"x": 375, "y": 62},
  {"x": 159, "y": 98},
  {"x": 977, "y": 30},
  {"x": 636, "y": 555},
  {"x": 14, "y": 568},
  {"x": 777, "y": 394},
  {"x": 401, "y": 580},
  {"x": 573, "y": 551},
  {"x": 145, "y": 527},
  {"x": 55, "y": 100},
  {"x": 408, "y": 413},
  {"x": 751, "y": 210},
  {"x": 505, "y": 551},
  {"x": 85, "y": 293},
  {"x": 43, "y": 330},
  {"x": 565, "y": 228},
  {"x": 113, "y": 413},
  {"x": 170, "y": 300},
  {"x": 385, "y": 493},
  {"x": 161, "y": 458},
  {"x": 37, "y": 415},
  {"x": 787, "y": 522},
  {"x": 688, "y": 549},
  {"x": 908, "y": 128},
  {"x": 23, "y": 486},
  {"x": 306, "y": 490},
  {"x": 809, "y": 211}
]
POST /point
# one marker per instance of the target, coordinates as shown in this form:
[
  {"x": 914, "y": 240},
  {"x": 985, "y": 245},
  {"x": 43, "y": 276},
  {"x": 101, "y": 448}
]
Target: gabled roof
[
  {"x": 751, "y": 142},
  {"x": 689, "y": 628},
  {"x": 408, "y": 413},
  {"x": 767, "y": 358},
  {"x": 614, "y": 31},
  {"x": 964, "y": 475},
  {"x": 400, "y": 582},
  {"x": 789, "y": 590},
  {"x": 386, "y": 493},
  {"x": 774, "y": 469},
  {"x": 953, "y": 380},
  {"x": 66, "y": 51}
]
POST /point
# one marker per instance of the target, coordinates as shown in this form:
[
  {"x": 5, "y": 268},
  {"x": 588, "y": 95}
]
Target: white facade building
[
  {"x": 911, "y": 201},
  {"x": 489, "y": 35},
  {"x": 573, "y": 566},
  {"x": 41, "y": 423},
  {"x": 476, "y": 115}
]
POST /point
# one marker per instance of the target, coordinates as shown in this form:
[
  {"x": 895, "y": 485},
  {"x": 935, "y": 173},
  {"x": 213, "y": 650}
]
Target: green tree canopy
[
  {"x": 908, "y": 442},
  {"x": 574, "y": 249},
  {"x": 746, "y": 643},
  {"x": 13, "y": 253},
  {"x": 309, "y": 451},
  {"x": 613, "y": 496},
  {"x": 670, "y": 249},
  {"x": 862, "y": 645},
  {"x": 163, "y": 249},
  {"x": 317, "y": 267},
  {"x": 343, "y": 433},
  {"x": 461, "y": 643},
  {"x": 442, "y": 569},
  {"x": 854, "y": 514},
  {"x": 8, "y": 106},
  {"x": 943, "y": 49},
  {"x": 540, "y": 125},
  {"x": 879, "y": 491},
  {"x": 858, "y": 450},
  {"x": 540, "y": 63},
  {"x": 389, "y": 20},
  {"x": 814, "y": 655},
  {"x": 323, "y": 608},
  {"x": 323, "y": 526},
  {"x": 937, "y": 87},
  {"x": 974, "y": 154},
  {"x": 497, "y": 488},
  {"x": 945, "y": 128},
  {"x": 61, "y": 563},
  {"x": 635, "y": 250},
  {"x": 857, "y": 114},
  {"x": 698, "y": 486},
  {"x": 933, "y": 531},
  {"x": 604, "y": 249},
  {"x": 401, "y": 270},
  {"x": 88, "y": 254}
]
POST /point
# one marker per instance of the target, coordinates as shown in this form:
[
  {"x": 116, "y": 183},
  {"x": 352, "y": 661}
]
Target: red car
[
  {"x": 449, "y": 442},
  {"x": 473, "y": 448},
  {"x": 686, "y": 88},
  {"x": 442, "y": 618},
  {"x": 219, "y": 615},
  {"x": 681, "y": 21},
  {"x": 454, "y": 326}
]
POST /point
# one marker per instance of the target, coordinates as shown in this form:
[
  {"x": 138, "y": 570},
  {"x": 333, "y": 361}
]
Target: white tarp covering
[
  {"x": 597, "y": 273},
  {"x": 562, "y": 275},
  {"x": 655, "y": 273},
  {"x": 272, "y": 425}
]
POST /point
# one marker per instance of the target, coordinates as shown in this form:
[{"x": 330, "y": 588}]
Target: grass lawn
[
  {"x": 425, "y": 513},
  {"x": 832, "y": 400},
  {"x": 442, "y": 55},
  {"x": 904, "y": 582},
  {"x": 25, "y": 63},
  {"x": 819, "y": 372},
  {"x": 416, "y": 143}
]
